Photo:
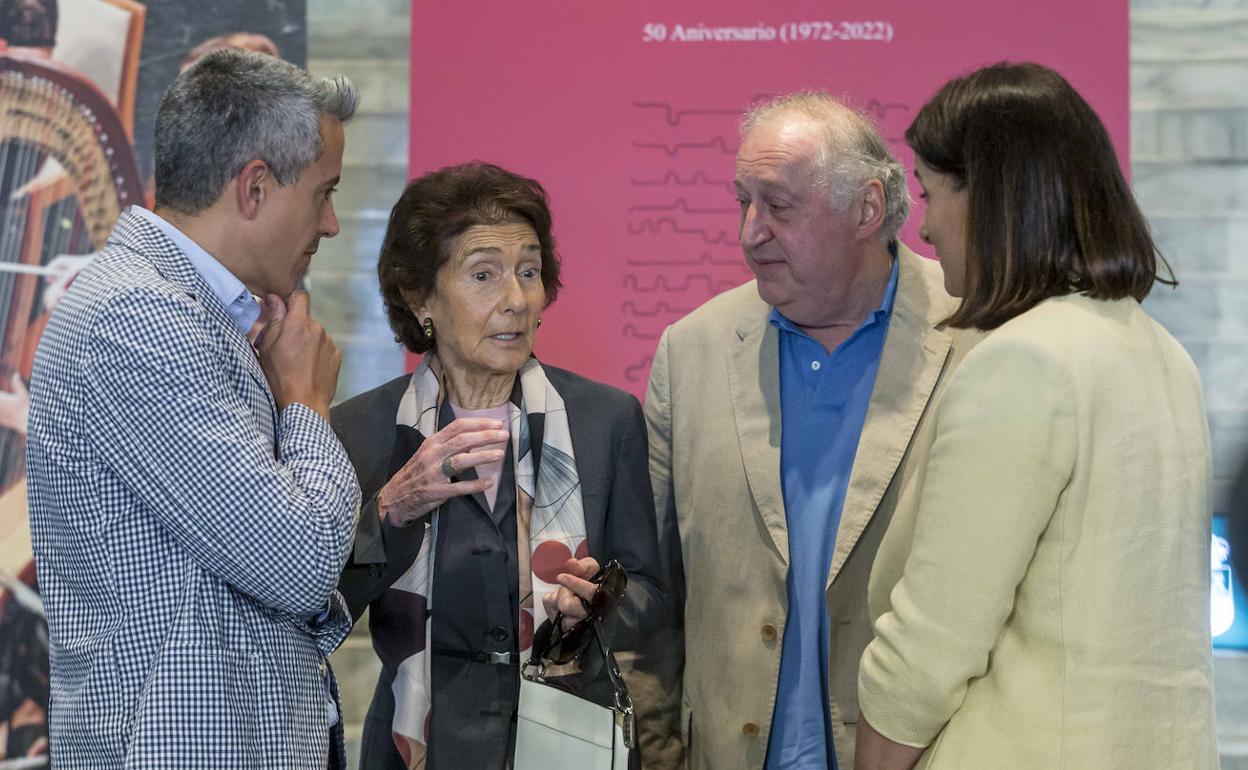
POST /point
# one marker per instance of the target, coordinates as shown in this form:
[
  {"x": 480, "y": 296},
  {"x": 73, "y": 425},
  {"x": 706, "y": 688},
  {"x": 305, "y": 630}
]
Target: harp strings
[{"x": 42, "y": 217}]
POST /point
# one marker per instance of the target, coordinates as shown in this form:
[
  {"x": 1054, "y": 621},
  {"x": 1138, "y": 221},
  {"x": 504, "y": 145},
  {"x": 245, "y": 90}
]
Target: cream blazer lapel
[
  {"x": 754, "y": 382},
  {"x": 914, "y": 355}
]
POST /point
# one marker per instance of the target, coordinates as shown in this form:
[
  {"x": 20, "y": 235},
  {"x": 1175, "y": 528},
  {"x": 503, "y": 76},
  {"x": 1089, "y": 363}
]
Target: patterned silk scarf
[{"x": 549, "y": 519}]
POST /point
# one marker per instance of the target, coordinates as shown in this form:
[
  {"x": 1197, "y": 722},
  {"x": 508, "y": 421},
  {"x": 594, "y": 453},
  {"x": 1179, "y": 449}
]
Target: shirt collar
[
  {"x": 881, "y": 313},
  {"x": 233, "y": 295}
]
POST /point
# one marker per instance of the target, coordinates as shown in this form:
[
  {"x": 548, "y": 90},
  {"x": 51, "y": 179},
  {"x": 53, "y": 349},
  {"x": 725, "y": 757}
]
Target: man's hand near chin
[{"x": 299, "y": 359}]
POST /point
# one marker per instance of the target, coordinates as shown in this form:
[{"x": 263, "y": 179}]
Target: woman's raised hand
[{"x": 424, "y": 482}]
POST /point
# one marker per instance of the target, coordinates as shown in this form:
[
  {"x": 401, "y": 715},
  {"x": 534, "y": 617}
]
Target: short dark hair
[
  {"x": 1049, "y": 212},
  {"x": 434, "y": 210}
]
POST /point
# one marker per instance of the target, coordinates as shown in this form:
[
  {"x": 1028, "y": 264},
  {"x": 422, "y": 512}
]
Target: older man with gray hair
[
  {"x": 782, "y": 419},
  {"x": 190, "y": 505}
]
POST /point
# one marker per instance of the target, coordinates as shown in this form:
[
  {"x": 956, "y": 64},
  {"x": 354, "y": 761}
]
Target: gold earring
[{"x": 427, "y": 325}]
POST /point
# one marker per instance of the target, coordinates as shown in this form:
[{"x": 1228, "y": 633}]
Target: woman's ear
[{"x": 415, "y": 303}]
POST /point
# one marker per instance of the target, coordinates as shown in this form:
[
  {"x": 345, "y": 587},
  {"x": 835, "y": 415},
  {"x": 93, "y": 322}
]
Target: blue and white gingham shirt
[
  {"x": 244, "y": 311},
  {"x": 225, "y": 286},
  {"x": 184, "y": 528}
]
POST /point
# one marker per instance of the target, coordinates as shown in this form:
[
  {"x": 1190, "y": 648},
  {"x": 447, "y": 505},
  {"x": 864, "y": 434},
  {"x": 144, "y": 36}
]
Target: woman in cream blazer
[{"x": 1041, "y": 599}]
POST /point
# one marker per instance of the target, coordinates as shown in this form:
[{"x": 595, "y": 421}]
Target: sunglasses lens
[
  {"x": 611, "y": 580},
  {"x": 569, "y": 645}
]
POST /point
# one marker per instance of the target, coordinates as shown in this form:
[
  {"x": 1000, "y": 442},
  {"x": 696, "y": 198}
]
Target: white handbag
[{"x": 556, "y": 729}]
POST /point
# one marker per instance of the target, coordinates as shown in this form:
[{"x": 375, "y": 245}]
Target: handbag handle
[
  {"x": 623, "y": 707},
  {"x": 623, "y": 702}
]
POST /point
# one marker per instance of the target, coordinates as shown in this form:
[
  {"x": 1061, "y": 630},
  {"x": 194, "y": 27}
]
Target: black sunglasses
[{"x": 552, "y": 643}]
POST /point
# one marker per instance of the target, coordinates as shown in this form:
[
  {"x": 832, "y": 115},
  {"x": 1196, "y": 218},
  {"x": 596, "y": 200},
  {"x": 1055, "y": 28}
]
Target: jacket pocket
[{"x": 197, "y": 697}]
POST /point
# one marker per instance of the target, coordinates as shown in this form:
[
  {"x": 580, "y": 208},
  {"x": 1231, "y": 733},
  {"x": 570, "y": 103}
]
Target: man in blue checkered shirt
[{"x": 190, "y": 506}]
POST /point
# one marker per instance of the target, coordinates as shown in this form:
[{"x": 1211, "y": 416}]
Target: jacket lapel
[
  {"x": 135, "y": 233},
  {"x": 754, "y": 382},
  {"x": 914, "y": 355}
]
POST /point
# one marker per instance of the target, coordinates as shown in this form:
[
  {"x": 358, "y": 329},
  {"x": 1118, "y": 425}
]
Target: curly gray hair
[{"x": 853, "y": 152}]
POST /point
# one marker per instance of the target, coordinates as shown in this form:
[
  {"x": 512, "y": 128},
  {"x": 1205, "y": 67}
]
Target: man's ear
[
  {"x": 872, "y": 209},
  {"x": 251, "y": 186}
]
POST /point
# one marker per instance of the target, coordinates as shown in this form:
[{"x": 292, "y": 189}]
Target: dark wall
[{"x": 174, "y": 27}]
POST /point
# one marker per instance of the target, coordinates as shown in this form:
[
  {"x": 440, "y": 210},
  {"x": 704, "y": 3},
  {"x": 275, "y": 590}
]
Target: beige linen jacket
[
  {"x": 1054, "y": 608},
  {"x": 713, "y": 412}
]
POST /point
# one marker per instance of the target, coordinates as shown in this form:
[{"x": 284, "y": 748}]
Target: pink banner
[{"x": 628, "y": 113}]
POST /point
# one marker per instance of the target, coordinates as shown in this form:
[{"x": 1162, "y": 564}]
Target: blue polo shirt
[{"x": 823, "y": 404}]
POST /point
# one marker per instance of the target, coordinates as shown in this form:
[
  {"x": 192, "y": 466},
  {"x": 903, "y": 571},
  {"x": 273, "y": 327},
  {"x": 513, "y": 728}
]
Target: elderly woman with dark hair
[
  {"x": 1041, "y": 597},
  {"x": 495, "y": 485}
]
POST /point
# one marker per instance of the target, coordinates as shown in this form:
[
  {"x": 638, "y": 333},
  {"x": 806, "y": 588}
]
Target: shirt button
[
  {"x": 499, "y": 634},
  {"x": 814, "y": 366},
  {"x": 769, "y": 632},
  {"x": 750, "y": 729},
  {"x": 323, "y": 667}
]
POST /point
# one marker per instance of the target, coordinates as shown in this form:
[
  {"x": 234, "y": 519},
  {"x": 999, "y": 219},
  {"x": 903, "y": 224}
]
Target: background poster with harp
[{"x": 80, "y": 83}]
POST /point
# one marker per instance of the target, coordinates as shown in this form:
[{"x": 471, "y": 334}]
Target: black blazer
[{"x": 609, "y": 440}]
